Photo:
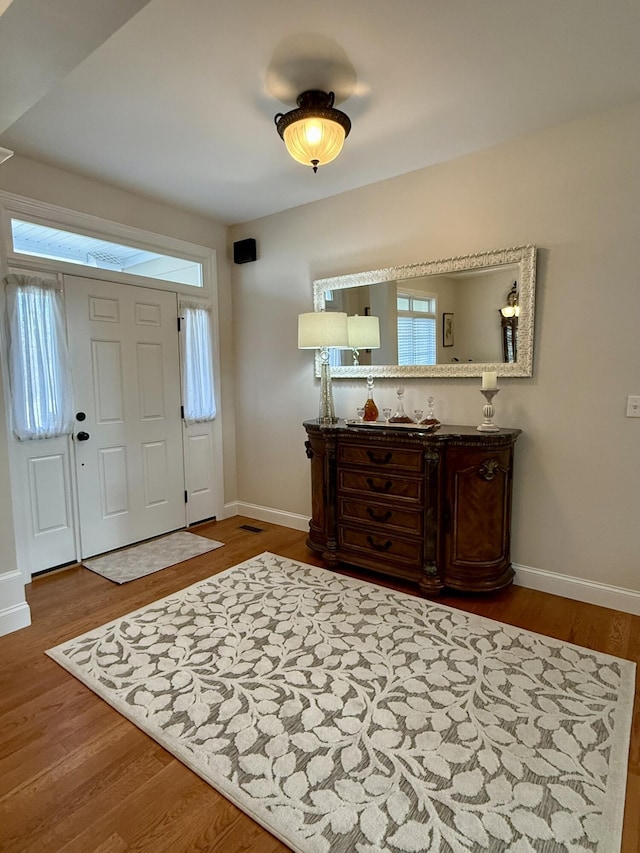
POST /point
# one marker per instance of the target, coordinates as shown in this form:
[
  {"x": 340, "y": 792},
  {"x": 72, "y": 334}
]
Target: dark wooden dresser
[{"x": 429, "y": 507}]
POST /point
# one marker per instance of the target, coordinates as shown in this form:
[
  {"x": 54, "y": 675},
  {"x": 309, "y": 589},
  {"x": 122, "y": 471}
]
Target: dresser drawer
[
  {"x": 379, "y": 456},
  {"x": 391, "y": 518},
  {"x": 380, "y": 484},
  {"x": 379, "y": 545}
]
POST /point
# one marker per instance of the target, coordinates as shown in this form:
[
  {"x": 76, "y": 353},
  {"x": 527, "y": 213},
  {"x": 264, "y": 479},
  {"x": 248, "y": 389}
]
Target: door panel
[
  {"x": 48, "y": 485},
  {"x": 201, "y": 472},
  {"x": 157, "y": 487},
  {"x": 107, "y": 382},
  {"x": 42, "y": 503},
  {"x": 151, "y": 382},
  {"x": 130, "y": 472},
  {"x": 114, "y": 489}
]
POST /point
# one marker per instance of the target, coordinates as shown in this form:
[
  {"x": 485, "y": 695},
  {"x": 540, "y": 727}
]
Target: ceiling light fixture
[{"x": 315, "y": 132}]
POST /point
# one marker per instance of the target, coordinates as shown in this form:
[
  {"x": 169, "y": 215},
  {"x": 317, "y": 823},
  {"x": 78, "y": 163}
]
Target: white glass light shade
[
  {"x": 322, "y": 329},
  {"x": 364, "y": 332},
  {"x": 510, "y": 311},
  {"x": 315, "y": 132},
  {"x": 314, "y": 141}
]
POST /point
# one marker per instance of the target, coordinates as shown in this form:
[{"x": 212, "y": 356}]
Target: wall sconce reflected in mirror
[
  {"x": 512, "y": 308},
  {"x": 364, "y": 333},
  {"x": 509, "y": 322}
]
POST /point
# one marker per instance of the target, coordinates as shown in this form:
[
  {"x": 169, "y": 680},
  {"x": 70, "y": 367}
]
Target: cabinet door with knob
[{"x": 477, "y": 517}]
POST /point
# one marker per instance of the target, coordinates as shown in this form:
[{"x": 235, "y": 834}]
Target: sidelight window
[
  {"x": 41, "y": 397},
  {"x": 197, "y": 363}
]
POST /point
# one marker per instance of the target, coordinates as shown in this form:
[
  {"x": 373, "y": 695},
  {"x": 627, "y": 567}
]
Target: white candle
[{"x": 490, "y": 380}]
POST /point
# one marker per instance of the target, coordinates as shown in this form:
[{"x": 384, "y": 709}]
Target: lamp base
[{"x": 327, "y": 413}]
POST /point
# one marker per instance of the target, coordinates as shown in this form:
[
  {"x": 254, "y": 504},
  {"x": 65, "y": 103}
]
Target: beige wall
[{"x": 574, "y": 191}]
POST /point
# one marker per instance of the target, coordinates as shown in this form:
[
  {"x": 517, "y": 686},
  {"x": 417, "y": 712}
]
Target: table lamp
[
  {"x": 364, "y": 333},
  {"x": 321, "y": 330}
]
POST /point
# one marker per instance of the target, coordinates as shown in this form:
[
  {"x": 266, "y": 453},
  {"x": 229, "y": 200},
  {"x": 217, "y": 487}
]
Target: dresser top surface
[{"x": 445, "y": 432}]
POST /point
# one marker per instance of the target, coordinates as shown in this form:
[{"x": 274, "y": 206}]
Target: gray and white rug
[
  {"x": 141, "y": 560},
  {"x": 343, "y": 716}
]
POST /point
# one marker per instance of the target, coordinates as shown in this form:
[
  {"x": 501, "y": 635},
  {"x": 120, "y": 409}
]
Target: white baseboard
[
  {"x": 14, "y": 618},
  {"x": 567, "y": 586},
  {"x": 228, "y": 511},
  {"x": 264, "y": 513},
  {"x": 14, "y": 610}
]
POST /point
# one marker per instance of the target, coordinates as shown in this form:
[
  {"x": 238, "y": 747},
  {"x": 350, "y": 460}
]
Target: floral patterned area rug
[
  {"x": 130, "y": 564},
  {"x": 343, "y": 716}
]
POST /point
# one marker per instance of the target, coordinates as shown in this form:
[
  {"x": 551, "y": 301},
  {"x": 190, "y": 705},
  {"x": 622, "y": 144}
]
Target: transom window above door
[{"x": 42, "y": 241}]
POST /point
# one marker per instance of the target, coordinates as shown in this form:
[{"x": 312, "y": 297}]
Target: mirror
[{"x": 440, "y": 318}]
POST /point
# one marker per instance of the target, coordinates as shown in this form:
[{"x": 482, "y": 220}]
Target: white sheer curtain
[
  {"x": 197, "y": 363},
  {"x": 41, "y": 393}
]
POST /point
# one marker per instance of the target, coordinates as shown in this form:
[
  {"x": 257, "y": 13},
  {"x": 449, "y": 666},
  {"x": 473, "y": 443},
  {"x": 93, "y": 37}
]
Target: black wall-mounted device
[{"x": 245, "y": 251}]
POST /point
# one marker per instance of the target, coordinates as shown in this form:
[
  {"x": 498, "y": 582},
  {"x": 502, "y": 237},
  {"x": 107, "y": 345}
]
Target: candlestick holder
[{"x": 488, "y": 411}]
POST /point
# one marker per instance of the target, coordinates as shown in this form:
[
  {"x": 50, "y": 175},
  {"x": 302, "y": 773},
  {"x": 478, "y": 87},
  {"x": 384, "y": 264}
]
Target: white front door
[{"x": 123, "y": 343}]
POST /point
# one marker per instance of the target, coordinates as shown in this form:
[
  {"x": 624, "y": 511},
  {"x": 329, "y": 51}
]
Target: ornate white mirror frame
[{"x": 523, "y": 261}]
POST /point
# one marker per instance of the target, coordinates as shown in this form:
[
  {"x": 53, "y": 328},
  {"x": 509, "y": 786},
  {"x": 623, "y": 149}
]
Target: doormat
[
  {"x": 346, "y": 717},
  {"x": 141, "y": 560}
]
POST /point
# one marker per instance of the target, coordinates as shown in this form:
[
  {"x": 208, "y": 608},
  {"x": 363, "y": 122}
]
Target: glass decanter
[
  {"x": 430, "y": 419},
  {"x": 400, "y": 417},
  {"x": 370, "y": 408}
]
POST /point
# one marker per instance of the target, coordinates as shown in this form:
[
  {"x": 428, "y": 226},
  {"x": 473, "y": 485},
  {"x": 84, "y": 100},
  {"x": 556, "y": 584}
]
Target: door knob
[{"x": 83, "y": 436}]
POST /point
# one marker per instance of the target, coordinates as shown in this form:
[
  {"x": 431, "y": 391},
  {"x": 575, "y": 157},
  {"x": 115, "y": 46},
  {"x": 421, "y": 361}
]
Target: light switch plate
[{"x": 633, "y": 407}]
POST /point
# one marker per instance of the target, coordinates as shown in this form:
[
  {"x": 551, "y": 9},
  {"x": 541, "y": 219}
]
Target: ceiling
[{"x": 175, "y": 100}]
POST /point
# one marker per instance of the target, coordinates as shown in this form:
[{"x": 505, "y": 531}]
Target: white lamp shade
[
  {"x": 364, "y": 332},
  {"x": 323, "y": 329}
]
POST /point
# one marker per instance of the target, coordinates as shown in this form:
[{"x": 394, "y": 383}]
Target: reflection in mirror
[
  {"x": 453, "y": 317},
  {"x": 509, "y": 322}
]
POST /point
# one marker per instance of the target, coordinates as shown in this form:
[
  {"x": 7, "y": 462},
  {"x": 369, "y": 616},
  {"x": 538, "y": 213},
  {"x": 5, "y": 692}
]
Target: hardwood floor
[{"x": 76, "y": 776}]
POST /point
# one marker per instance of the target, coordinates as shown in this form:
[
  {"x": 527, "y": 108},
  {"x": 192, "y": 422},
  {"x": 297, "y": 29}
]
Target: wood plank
[{"x": 77, "y": 777}]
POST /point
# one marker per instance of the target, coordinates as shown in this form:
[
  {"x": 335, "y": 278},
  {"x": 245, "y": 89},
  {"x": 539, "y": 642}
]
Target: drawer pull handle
[
  {"x": 377, "y": 488},
  {"x": 380, "y": 460},
  {"x": 381, "y": 517},
  {"x": 378, "y": 547}
]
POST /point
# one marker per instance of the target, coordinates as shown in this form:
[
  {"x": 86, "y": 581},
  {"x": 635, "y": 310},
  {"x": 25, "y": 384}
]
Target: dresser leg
[
  {"x": 430, "y": 583},
  {"x": 330, "y": 559}
]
